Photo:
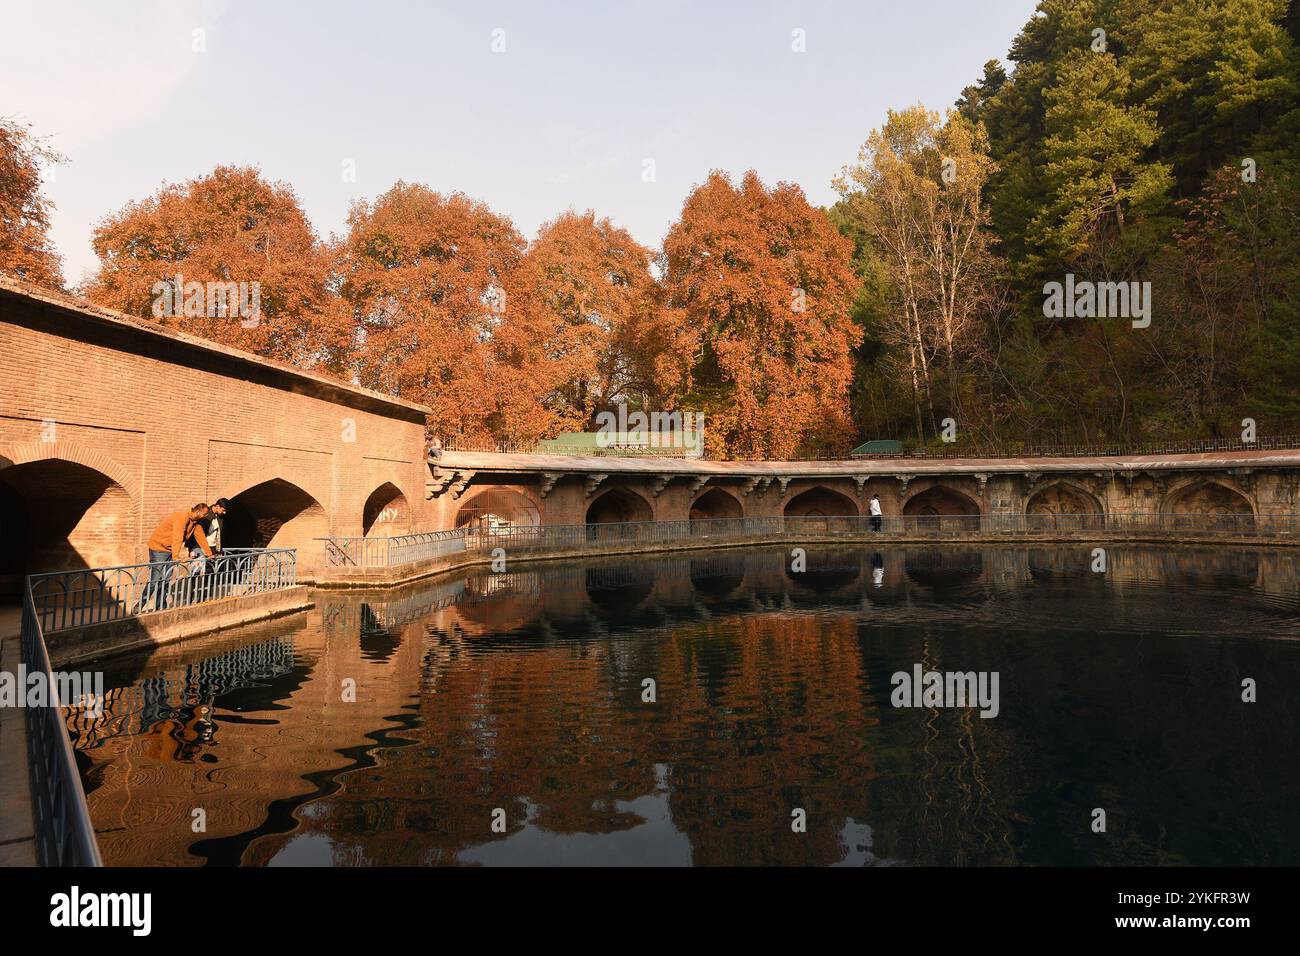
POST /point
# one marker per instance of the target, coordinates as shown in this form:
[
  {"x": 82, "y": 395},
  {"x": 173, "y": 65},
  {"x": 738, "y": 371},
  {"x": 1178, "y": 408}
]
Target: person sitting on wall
[
  {"x": 876, "y": 519},
  {"x": 167, "y": 548}
]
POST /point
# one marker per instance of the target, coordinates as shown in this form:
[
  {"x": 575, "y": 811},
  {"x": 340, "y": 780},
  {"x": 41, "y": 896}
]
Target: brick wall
[{"x": 109, "y": 423}]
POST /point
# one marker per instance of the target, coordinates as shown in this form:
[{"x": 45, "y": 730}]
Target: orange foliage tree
[
  {"x": 25, "y": 249},
  {"x": 584, "y": 330},
  {"x": 426, "y": 278},
  {"x": 765, "y": 284},
  {"x": 172, "y": 257}
]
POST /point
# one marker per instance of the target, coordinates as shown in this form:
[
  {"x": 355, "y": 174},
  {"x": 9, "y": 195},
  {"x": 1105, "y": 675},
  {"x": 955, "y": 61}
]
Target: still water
[{"x": 397, "y": 728}]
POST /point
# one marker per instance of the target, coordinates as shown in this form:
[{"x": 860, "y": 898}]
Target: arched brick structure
[
  {"x": 88, "y": 378},
  {"x": 819, "y": 501},
  {"x": 618, "y": 504},
  {"x": 1063, "y": 497},
  {"x": 942, "y": 507},
  {"x": 276, "y": 514},
  {"x": 1206, "y": 497},
  {"x": 35, "y": 451},
  {"x": 716, "y": 503},
  {"x": 387, "y": 513},
  {"x": 501, "y": 506},
  {"x": 58, "y": 515}
]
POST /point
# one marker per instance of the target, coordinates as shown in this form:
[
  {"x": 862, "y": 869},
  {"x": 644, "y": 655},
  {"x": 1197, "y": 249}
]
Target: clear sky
[{"x": 566, "y": 116}]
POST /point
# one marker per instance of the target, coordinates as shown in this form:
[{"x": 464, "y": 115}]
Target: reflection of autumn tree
[
  {"x": 524, "y": 692},
  {"x": 746, "y": 720}
]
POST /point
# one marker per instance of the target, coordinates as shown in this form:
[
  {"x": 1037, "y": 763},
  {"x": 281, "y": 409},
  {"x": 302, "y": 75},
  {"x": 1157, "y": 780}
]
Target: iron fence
[
  {"x": 524, "y": 539},
  {"x": 65, "y": 835},
  {"x": 86, "y": 596},
  {"x": 391, "y": 552},
  {"x": 1009, "y": 449}
]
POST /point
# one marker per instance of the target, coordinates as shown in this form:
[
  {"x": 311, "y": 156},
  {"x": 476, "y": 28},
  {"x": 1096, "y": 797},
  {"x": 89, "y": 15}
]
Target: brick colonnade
[
  {"x": 554, "y": 491},
  {"x": 107, "y": 423}
]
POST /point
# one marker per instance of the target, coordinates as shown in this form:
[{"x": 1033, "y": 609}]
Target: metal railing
[
  {"x": 1193, "y": 446},
  {"x": 65, "y": 835},
  {"x": 64, "y": 599},
  {"x": 1010, "y": 449},
  {"x": 522, "y": 539},
  {"x": 391, "y": 552}
]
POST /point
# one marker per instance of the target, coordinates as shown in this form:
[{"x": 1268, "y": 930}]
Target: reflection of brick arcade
[{"x": 434, "y": 652}]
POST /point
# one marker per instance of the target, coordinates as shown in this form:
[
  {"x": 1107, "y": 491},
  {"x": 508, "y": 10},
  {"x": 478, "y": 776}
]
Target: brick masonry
[
  {"x": 553, "y": 490},
  {"x": 108, "y": 422}
]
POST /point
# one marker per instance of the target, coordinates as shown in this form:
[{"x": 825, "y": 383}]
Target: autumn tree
[
  {"x": 586, "y": 327},
  {"x": 25, "y": 248},
  {"x": 427, "y": 279},
  {"x": 230, "y": 257},
  {"x": 765, "y": 285}
]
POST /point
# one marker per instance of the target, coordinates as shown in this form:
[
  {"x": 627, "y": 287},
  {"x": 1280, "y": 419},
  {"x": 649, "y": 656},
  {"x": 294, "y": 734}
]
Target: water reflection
[{"x": 393, "y": 728}]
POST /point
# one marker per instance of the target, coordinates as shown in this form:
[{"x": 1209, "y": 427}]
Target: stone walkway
[{"x": 17, "y": 832}]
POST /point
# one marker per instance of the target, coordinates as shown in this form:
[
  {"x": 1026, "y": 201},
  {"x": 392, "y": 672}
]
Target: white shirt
[{"x": 875, "y": 507}]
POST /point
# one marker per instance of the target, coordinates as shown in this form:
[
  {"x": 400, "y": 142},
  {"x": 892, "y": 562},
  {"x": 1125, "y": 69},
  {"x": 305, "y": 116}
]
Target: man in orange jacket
[{"x": 167, "y": 547}]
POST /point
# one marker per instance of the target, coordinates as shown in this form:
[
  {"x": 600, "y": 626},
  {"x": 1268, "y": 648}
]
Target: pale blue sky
[{"x": 565, "y": 117}]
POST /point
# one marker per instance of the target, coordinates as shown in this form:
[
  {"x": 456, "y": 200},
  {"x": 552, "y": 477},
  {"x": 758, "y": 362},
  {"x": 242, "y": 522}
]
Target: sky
[{"x": 535, "y": 108}]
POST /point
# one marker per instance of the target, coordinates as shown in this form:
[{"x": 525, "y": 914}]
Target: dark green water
[{"x": 395, "y": 729}]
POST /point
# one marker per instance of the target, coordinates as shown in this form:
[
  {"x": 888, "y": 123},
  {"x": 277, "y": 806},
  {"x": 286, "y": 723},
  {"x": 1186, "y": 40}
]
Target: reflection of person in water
[{"x": 878, "y": 569}]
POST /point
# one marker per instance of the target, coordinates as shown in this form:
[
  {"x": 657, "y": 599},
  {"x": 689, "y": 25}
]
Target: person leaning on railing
[
  {"x": 210, "y": 526},
  {"x": 167, "y": 548}
]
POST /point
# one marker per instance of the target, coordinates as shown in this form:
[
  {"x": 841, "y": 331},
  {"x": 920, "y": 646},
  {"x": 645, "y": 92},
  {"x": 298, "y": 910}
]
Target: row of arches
[
  {"x": 58, "y": 514},
  {"x": 500, "y": 507}
]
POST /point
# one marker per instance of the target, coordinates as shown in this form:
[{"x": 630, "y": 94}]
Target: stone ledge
[
  {"x": 337, "y": 578},
  {"x": 79, "y": 644}
]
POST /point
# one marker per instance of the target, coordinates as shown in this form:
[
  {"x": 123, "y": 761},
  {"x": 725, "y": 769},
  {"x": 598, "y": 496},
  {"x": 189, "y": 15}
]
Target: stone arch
[
  {"x": 1209, "y": 502},
  {"x": 497, "y": 508},
  {"x": 386, "y": 513},
  {"x": 716, "y": 503},
  {"x": 1061, "y": 497},
  {"x": 619, "y": 505},
  {"x": 820, "y": 501},
  {"x": 275, "y": 514},
  {"x": 941, "y": 507},
  {"x": 57, "y": 515}
]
